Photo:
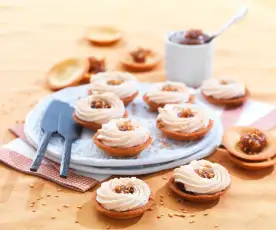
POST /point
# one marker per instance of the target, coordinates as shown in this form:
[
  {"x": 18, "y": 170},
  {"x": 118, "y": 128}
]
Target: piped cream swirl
[
  {"x": 159, "y": 96},
  {"x": 170, "y": 119},
  {"x": 111, "y": 135},
  {"x": 228, "y": 90},
  {"x": 84, "y": 111},
  {"x": 128, "y": 87},
  {"x": 111, "y": 200},
  {"x": 192, "y": 182}
]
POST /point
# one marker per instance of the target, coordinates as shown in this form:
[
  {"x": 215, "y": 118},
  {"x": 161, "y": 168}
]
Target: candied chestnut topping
[
  {"x": 126, "y": 189},
  {"x": 185, "y": 113},
  {"x": 115, "y": 82},
  {"x": 194, "y": 37},
  {"x": 169, "y": 88},
  {"x": 100, "y": 104},
  {"x": 252, "y": 142},
  {"x": 205, "y": 172},
  {"x": 95, "y": 65},
  {"x": 127, "y": 126},
  {"x": 140, "y": 55}
]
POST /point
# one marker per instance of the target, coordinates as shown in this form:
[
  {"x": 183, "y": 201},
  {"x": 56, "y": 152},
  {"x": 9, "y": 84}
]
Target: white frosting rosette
[
  {"x": 171, "y": 120},
  {"x": 102, "y": 82},
  {"x": 223, "y": 89},
  {"x": 85, "y": 112},
  {"x": 195, "y": 183},
  {"x": 112, "y": 200},
  {"x": 111, "y": 135},
  {"x": 161, "y": 96}
]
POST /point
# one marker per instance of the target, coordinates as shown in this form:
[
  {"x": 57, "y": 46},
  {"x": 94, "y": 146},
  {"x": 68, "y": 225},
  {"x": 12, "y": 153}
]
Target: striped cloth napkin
[{"x": 18, "y": 153}]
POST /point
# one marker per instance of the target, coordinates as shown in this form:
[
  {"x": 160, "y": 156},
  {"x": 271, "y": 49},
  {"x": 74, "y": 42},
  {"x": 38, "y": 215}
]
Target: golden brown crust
[
  {"x": 96, "y": 36},
  {"x": 126, "y": 214},
  {"x": 53, "y": 72},
  {"x": 227, "y": 102},
  {"x": 154, "y": 106},
  {"x": 253, "y": 165},
  {"x": 194, "y": 197},
  {"x": 232, "y": 136},
  {"x": 186, "y": 136},
  {"x": 130, "y": 65},
  {"x": 121, "y": 152},
  {"x": 91, "y": 125},
  {"x": 126, "y": 100}
]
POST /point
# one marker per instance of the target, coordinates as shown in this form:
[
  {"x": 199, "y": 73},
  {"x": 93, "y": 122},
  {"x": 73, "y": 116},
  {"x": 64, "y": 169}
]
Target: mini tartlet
[
  {"x": 200, "y": 181},
  {"x": 184, "y": 121},
  {"x": 103, "y": 35},
  {"x": 122, "y": 138},
  {"x": 224, "y": 92},
  {"x": 141, "y": 59},
  {"x": 123, "y": 84},
  {"x": 66, "y": 73},
  {"x": 168, "y": 92},
  {"x": 93, "y": 111},
  {"x": 96, "y": 65},
  {"x": 123, "y": 198},
  {"x": 249, "y": 147}
]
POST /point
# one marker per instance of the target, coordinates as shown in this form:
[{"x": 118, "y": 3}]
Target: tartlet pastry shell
[
  {"x": 52, "y": 75},
  {"x": 227, "y": 102},
  {"x": 232, "y": 136},
  {"x": 186, "y": 136},
  {"x": 154, "y": 106},
  {"x": 91, "y": 125},
  {"x": 126, "y": 214},
  {"x": 253, "y": 165},
  {"x": 121, "y": 152},
  {"x": 195, "y": 197},
  {"x": 130, "y": 65},
  {"x": 96, "y": 35},
  {"x": 126, "y": 100}
]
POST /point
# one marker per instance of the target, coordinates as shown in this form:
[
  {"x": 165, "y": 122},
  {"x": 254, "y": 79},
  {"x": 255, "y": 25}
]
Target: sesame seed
[
  {"x": 80, "y": 207},
  {"x": 164, "y": 178},
  {"x": 76, "y": 221},
  {"x": 33, "y": 211},
  {"x": 53, "y": 217},
  {"x": 161, "y": 195},
  {"x": 59, "y": 189},
  {"x": 191, "y": 221},
  {"x": 44, "y": 204},
  {"x": 184, "y": 211},
  {"x": 192, "y": 215},
  {"x": 158, "y": 217},
  {"x": 58, "y": 209},
  {"x": 57, "y": 196},
  {"x": 66, "y": 206},
  {"x": 205, "y": 214},
  {"x": 170, "y": 215},
  {"x": 150, "y": 209},
  {"x": 38, "y": 199},
  {"x": 108, "y": 227},
  {"x": 48, "y": 194},
  {"x": 161, "y": 203},
  {"x": 31, "y": 185},
  {"x": 169, "y": 194},
  {"x": 216, "y": 226}
]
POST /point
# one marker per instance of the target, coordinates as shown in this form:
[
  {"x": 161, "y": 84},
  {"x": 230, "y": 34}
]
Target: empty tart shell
[
  {"x": 67, "y": 73},
  {"x": 91, "y": 125},
  {"x": 126, "y": 100},
  {"x": 154, "y": 106},
  {"x": 121, "y": 152},
  {"x": 151, "y": 62},
  {"x": 232, "y": 137},
  {"x": 227, "y": 102},
  {"x": 103, "y": 35},
  {"x": 126, "y": 214},
  {"x": 185, "y": 136},
  {"x": 253, "y": 165},
  {"x": 194, "y": 197}
]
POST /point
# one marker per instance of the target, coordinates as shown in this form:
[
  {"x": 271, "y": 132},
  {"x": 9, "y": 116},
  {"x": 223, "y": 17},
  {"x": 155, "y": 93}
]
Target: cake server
[
  {"x": 49, "y": 126},
  {"x": 70, "y": 130}
]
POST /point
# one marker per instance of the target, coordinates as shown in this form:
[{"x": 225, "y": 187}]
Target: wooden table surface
[{"x": 34, "y": 34}]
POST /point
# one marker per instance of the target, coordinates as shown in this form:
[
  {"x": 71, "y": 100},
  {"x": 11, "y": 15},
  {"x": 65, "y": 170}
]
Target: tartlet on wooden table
[
  {"x": 103, "y": 35},
  {"x": 66, "y": 73},
  {"x": 250, "y": 148},
  {"x": 141, "y": 60}
]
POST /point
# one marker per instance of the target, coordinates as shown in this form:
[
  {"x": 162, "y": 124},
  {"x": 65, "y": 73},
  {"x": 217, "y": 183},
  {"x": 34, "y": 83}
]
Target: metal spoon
[{"x": 239, "y": 15}]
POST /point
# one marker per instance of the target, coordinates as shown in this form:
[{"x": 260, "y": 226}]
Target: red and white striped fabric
[{"x": 16, "y": 154}]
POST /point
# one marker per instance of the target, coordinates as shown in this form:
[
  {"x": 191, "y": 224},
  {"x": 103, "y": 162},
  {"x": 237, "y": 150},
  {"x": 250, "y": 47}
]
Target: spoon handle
[{"x": 241, "y": 13}]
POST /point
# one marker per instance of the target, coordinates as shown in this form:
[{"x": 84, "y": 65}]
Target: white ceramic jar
[{"x": 189, "y": 64}]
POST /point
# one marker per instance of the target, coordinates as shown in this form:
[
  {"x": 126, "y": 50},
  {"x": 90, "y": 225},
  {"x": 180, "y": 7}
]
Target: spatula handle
[
  {"x": 41, "y": 151},
  {"x": 65, "y": 161}
]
